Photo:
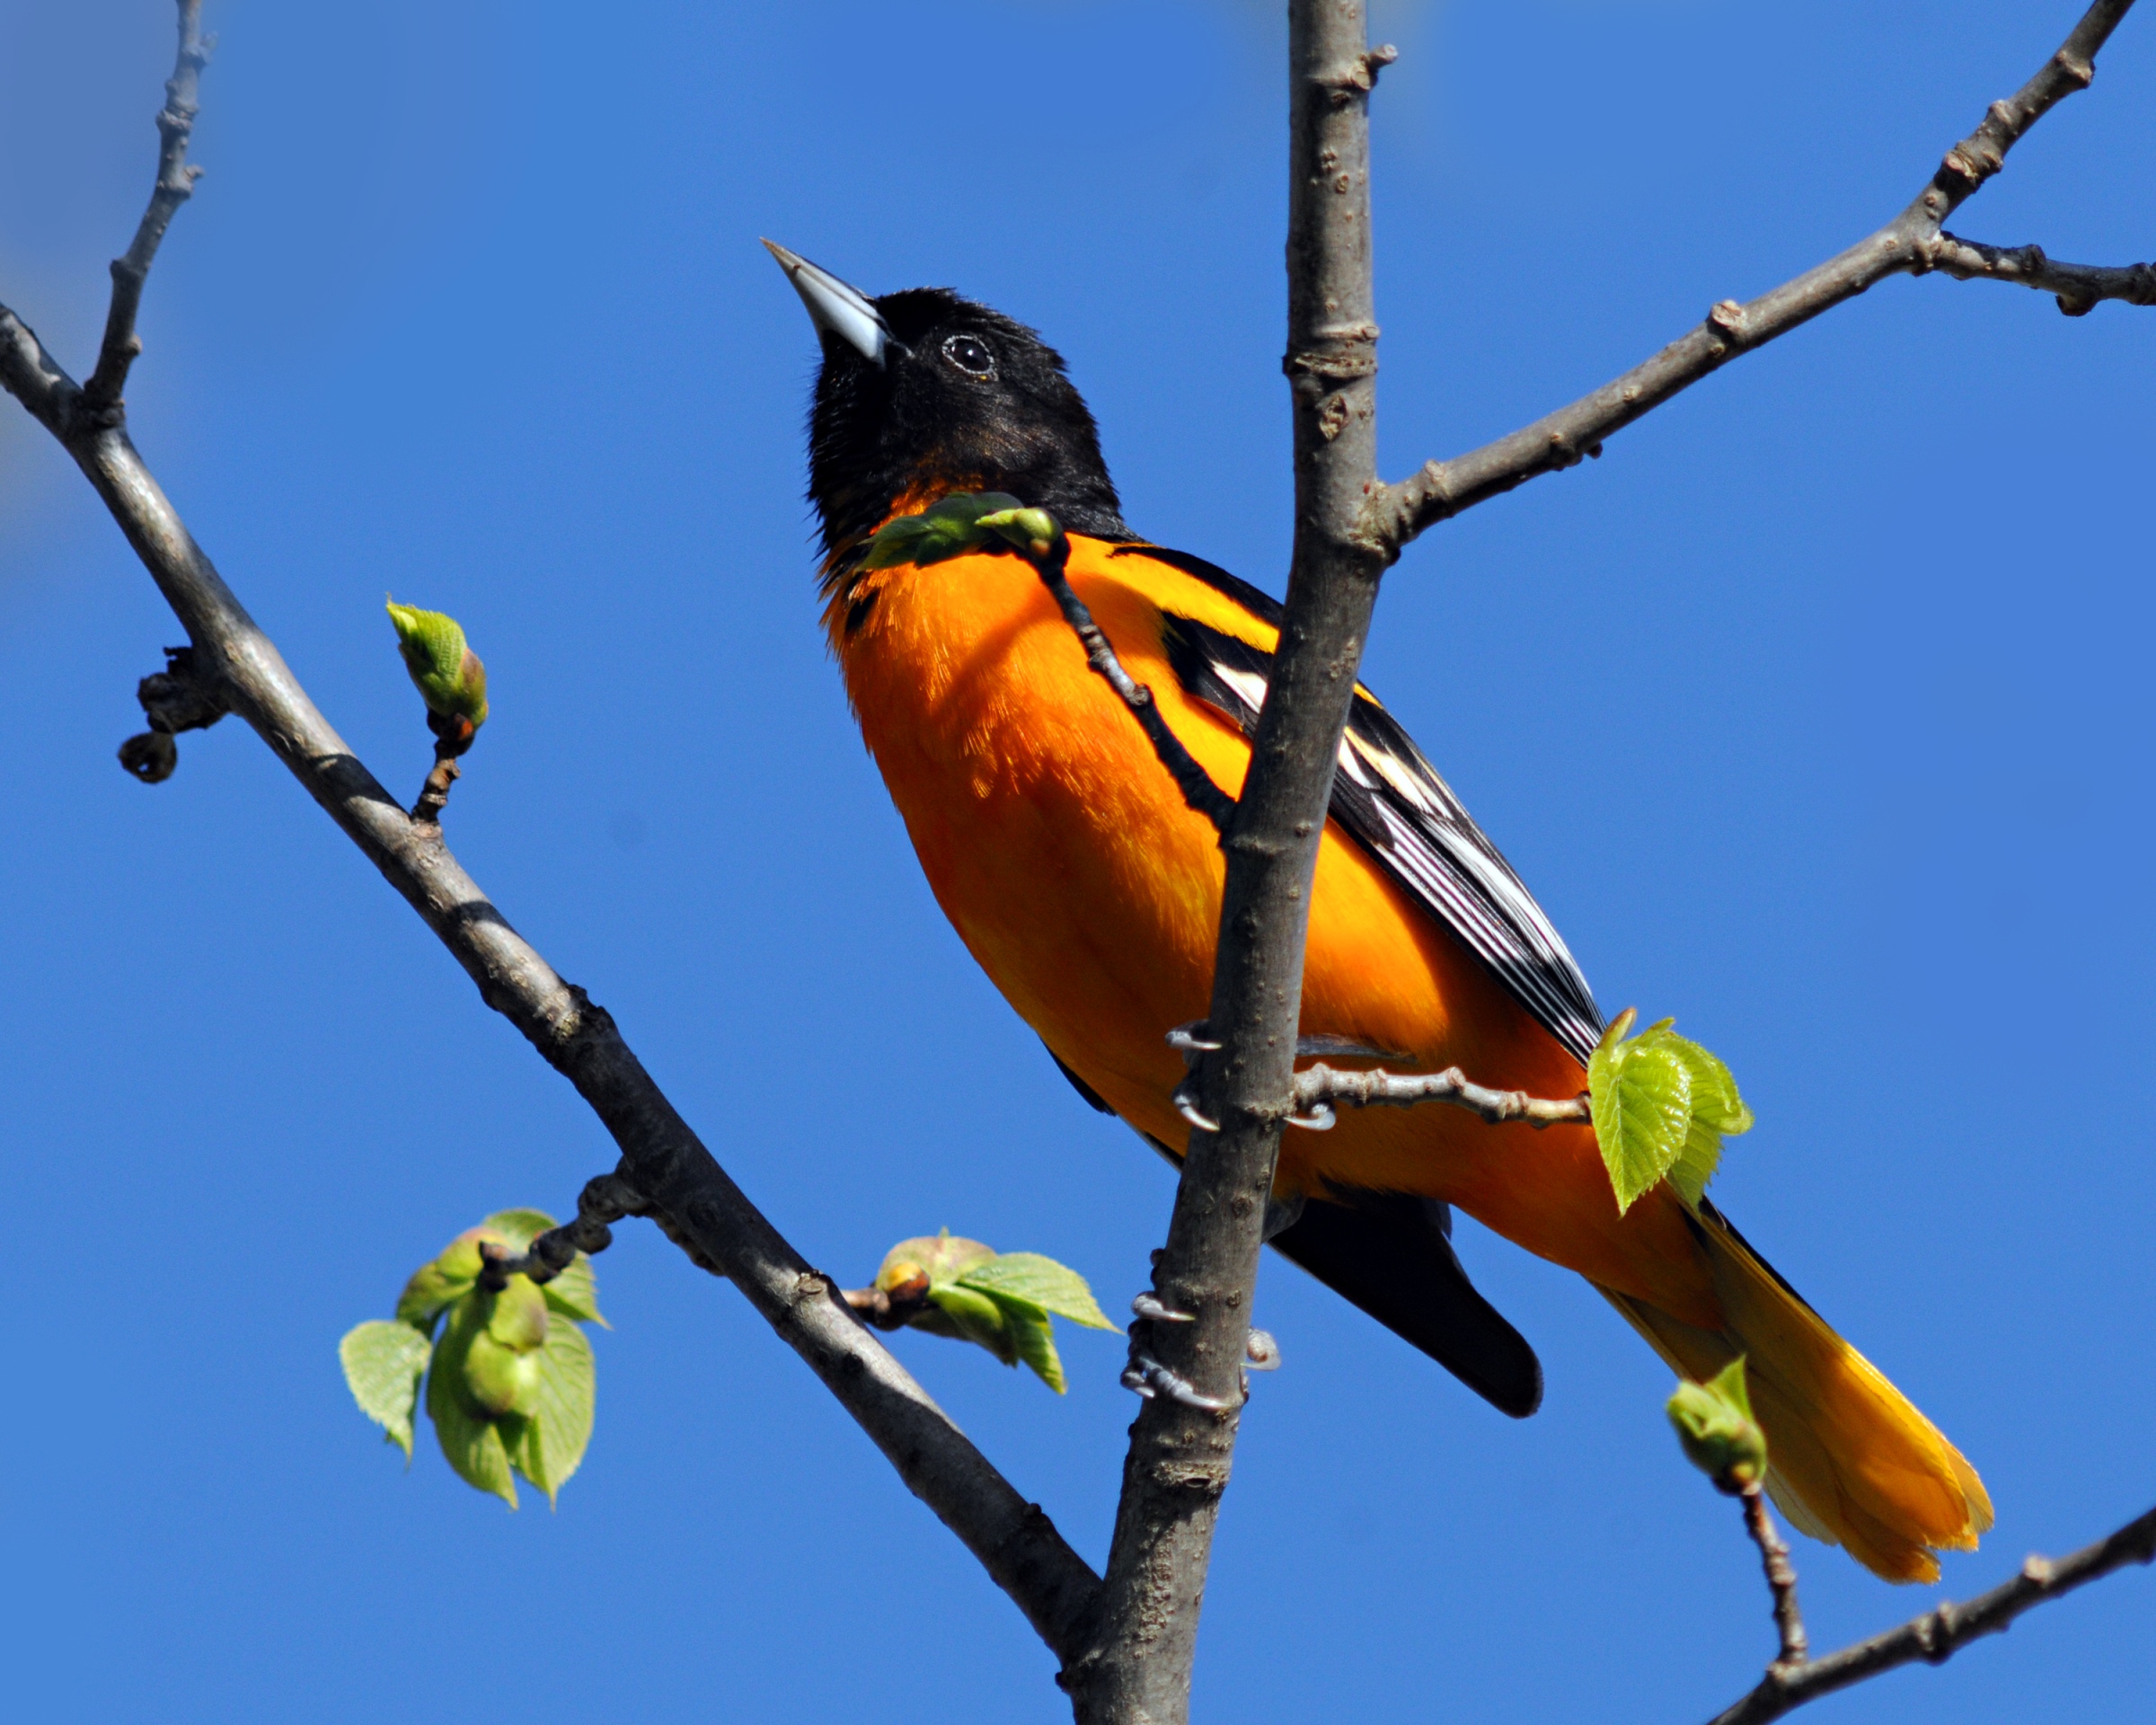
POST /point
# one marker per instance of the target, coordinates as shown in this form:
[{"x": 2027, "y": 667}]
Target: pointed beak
[{"x": 846, "y": 312}]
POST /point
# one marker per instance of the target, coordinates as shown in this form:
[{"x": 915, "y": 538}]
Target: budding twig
[
  {"x": 2080, "y": 287},
  {"x": 434, "y": 795},
  {"x": 1049, "y": 558},
  {"x": 1938, "y": 1634},
  {"x": 1912, "y": 243},
  {"x": 175, "y": 184},
  {"x": 1782, "y": 1577},
  {"x": 1320, "y": 1086},
  {"x": 605, "y": 1198},
  {"x": 889, "y": 1308}
]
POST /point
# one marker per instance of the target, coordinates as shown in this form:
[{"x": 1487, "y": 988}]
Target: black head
[{"x": 922, "y": 393}]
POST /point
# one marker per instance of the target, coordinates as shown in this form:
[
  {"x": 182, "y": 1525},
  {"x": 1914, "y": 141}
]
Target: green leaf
[
  {"x": 471, "y": 1444},
  {"x": 1661, "y": 1105},
  {"x": 501, "y": 1361},
  {"x": 443, "y": 667},
  {"x": 969, "y": 1316},
  {"x": 558, "y": 1428},
  {"x": 1640, "y": 1098},
  {"x": 1039, "y": 1281},
  {"x": 1032, "y": 1340},
  {"x": 575, "y": 1293},
  {"x": 437, "y": 1285},
  {"x": 945, "y": 529},
  {"x": 1717, "y": 1432},
  {"x": 1033, "y": 532},
  {"x": 518, "y": 1229},
  {"x": 383, "y": 1363}
]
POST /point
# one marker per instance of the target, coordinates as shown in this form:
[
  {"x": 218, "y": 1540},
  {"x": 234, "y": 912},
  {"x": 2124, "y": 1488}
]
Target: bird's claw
[
  {"x": 1186, "y": 1104},
  {"x": 1145, "y": 1375},
  {"x": 1148, "y": 1377},
  {"x": 1155, "y": 1310},
  {"x": 1193, "y": 1038}
]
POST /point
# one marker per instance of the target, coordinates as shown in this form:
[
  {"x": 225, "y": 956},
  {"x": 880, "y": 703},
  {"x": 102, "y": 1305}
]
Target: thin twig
[
  {"x": 1191, "y": 779},
  {"x": 1397, "y": 513},
  {"x": 434, "y": 795},
  {"x": 175, "y": 184},
  {"x": 1936, "y": 1636},
  {"x": 662, "y": 1157},
  {"x": 889, "y": 1308},
  {"x": 1322, "y": 1085},
  {"x": 605, "y": 1201},
  {"x": 2080, "y": 287},
  {"x": 1781, "y": 1579}
]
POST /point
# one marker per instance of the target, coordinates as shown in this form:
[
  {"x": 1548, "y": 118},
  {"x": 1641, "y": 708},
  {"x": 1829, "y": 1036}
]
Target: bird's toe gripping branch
[{"x": 1144, "y": 1375}]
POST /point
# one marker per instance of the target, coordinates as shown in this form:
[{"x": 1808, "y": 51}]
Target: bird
[{"x": 1087, "y": 889}]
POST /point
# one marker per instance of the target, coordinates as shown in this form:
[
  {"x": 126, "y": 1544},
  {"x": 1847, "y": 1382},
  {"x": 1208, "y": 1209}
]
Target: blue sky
[{"x": 1817, "y": 713}]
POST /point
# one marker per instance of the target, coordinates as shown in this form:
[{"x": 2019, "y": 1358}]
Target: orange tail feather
[{"x": 1851, "y": 1459}]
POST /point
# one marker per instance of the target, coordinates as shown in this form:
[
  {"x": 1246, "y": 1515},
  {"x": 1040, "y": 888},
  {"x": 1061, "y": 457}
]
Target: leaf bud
[
  {"x": 445, "y": 671},
  {"x": 1717, "y": 1432}
]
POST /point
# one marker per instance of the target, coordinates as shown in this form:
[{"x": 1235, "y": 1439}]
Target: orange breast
[{"x": 1070, "y": 866}]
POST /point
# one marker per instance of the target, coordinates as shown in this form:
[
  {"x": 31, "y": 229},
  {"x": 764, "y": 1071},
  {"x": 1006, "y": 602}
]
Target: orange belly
[{"x": 1070, "y": 866}]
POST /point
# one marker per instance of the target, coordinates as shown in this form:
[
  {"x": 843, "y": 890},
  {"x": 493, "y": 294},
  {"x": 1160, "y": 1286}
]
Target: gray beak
[{"x": 846, "y": 312}]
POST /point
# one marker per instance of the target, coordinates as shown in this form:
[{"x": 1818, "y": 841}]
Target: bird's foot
[
  {"x": 1145, "y": 1375},
  {"x": 1196, "y": 1039}
]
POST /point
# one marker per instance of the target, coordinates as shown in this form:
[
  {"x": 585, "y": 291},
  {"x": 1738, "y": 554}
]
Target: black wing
[
  {"x": 1393, "y": 1255},
  {"x": 1389, "y": 797}
]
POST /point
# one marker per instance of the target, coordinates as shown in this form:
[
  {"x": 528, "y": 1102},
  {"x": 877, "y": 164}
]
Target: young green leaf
[
  {"x": 1032, "y": 1340},
  {"x": 1033, "y": 531},
  {"x": 958, "y": 1312},
  {"x": 383, "y": 1363},
  {"x": 1641, "y": 1098},
  {"x": 437, "y": 1285},
  {"x": 1039, "y": 1281},
  {"x": 445, "y": 671},
  {"x": 940, "y": 1257},
  {"x": 575, "y": 1293},
  {"x": 557, "y": 1427},
  {"x": 945, "y": 529},
  {"x": 472, "y": 1443},
  {"x": 1717, "y": 1430},
  {"x": 501, "y": 1361},
  {"x": 1661, "y": 1105},
  {"x": 518, "y": 1229}
]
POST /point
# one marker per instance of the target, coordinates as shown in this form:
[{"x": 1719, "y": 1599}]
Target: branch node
[{"x": 173, "y": 700}]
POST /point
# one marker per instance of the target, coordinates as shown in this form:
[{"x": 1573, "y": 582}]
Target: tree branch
[
  {"x": 1781, "y": 1579},
  {"x": 1182, "y": 1445},
  {"x": 1935, "y": 1636},
  {"x": 174, "y": 185},
  {"x": 1322, "y": 1087},
  {"x": 662, "y": 1158},
  {"x": 2078, "y": 286},
  {"x": 1049, "y": 559},
  {"x": 1908, "y": 244}
]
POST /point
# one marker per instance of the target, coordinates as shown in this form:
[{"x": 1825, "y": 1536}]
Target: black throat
[{"x": 932, "y": 420}]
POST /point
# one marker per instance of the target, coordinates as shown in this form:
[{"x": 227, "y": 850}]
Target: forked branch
[
  {"x": 236, "y": 668},
  {"x": 174, "y": 185},
  {"x": 1911, "y": 244},
  {"x": 1939, "y": 1633}
]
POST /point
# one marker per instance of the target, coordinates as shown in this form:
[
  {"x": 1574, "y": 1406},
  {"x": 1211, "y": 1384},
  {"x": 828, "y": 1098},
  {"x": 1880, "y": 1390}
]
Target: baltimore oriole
[{"x": 1090, "y": 892}]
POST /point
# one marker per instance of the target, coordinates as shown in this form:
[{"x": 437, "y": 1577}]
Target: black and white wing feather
[{"x": 1389, "y": 797}]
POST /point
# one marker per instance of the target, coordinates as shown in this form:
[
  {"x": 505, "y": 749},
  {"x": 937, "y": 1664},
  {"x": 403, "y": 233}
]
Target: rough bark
[{"x": 1180, "y": 1454}]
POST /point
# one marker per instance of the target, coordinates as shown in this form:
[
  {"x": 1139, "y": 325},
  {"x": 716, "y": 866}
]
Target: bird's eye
[{"x": 970, "y": 355}]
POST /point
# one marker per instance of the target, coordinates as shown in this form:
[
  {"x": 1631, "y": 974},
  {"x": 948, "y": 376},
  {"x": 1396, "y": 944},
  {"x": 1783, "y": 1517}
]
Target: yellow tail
[{"x": 1851, "y": 1460}]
